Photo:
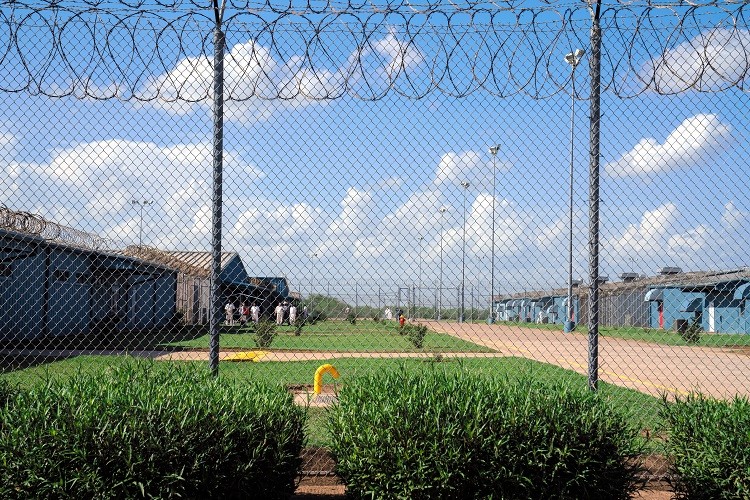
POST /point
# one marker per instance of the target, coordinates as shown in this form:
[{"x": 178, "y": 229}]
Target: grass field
[
  {"x": 641, "y": 409},
  {"x": 338, "y": 336}
]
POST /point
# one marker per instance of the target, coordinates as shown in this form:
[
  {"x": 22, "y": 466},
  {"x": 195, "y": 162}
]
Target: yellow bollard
[{"x": 318, "y": 381}]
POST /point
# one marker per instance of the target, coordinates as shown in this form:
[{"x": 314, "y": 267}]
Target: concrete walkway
[{"x": 650, "y": 368}]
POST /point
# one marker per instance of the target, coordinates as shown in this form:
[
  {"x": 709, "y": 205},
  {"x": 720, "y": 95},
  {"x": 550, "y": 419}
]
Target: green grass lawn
[
  {"x": 655, "y": 336},
  {"x": 338, "y": 336},
  {"x": 641, "y": 409}
]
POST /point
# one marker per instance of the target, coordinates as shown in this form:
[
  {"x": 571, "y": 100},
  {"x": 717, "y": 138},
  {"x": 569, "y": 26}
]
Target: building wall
[
  {"x": 22, "y": 289},
  {"x": 234, "y": 271},
  {"x": 193, "y": 299},
  {"x": 68, "y": 310},
  {"x": 729, "y": 315},
  {"x": 674, "y": 298},
  {"x": 56, "y": 290},
  {"x": 624, "y": 308},
  {"x": 165, "y": 298}
]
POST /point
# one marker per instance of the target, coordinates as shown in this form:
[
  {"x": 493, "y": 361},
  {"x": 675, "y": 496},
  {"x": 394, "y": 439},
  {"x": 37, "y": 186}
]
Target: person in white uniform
[
  {"x": 279, "y": 314},
  {"x": 229, "y": 310}
]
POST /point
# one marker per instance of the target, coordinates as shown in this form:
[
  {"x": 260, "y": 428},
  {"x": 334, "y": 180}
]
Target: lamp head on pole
[
  {"x": 494, "y": 149},
  {"x": 442, "y": 210},
  {"x": 465, "y": 184},
  {"x": 573, "y": 58}
]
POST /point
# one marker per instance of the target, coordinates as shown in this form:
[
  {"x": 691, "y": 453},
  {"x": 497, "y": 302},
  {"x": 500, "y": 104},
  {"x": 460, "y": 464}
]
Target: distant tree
[{"x": 321, "y": 307}]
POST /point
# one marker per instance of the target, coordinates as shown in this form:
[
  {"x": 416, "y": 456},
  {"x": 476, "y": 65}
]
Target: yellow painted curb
[{"x": 246, "y": 356}]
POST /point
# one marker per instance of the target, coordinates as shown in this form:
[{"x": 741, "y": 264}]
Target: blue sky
[{"x": 347, "y": 191}]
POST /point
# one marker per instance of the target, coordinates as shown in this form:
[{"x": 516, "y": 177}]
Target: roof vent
[
  {"x": 603, "y": 279},
  {"x": 666, "y": 271},
  {"x": 628, "y": 277}
]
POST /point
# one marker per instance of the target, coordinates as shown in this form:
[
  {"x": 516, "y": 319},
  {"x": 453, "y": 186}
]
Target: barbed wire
[
  {"x": 161, "y": 51},
  {"x": 36, "y": 225}
]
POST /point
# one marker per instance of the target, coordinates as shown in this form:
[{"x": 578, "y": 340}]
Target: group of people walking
[
  {"x": 246, "y": 313},
  {"x": 286, "y": 313}
]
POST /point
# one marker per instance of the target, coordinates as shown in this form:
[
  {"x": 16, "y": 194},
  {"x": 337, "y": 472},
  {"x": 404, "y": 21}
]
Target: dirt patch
[
  {"x": 318, "y": 480},
  {"x": 320, "y": 483}
]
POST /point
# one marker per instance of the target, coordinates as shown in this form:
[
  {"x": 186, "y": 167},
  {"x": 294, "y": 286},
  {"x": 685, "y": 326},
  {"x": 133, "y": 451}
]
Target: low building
[
  {"x": 717, "y": 300},
  {"x": 53, "y": 289},
  {"x": 235, "y": 284}
]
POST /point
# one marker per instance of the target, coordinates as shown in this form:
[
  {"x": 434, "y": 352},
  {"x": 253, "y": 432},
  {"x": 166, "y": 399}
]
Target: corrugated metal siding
[
  {"x": 22, "y": 293},
  {"x": 202, "y": 260},
  {"x": 624, "y": 309},
  {"x": 64, "y": 290},
  {"x": 193, "y": 299}
]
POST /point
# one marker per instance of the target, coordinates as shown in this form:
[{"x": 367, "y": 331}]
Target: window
[{"x": 6, "y": 270}]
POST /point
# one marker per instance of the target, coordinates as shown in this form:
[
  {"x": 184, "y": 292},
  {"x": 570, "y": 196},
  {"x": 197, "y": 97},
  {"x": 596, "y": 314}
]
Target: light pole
[
  {"x": 442, "y": 211},
  {"x": 141, "y": 204},
  {"x": 491, "y": 317},
  {"x": 462, "y": 317},
  {"x": 572, "y": 58},
  {"x": 418, "y": 298},
  {"x": 313, "y": 256}
]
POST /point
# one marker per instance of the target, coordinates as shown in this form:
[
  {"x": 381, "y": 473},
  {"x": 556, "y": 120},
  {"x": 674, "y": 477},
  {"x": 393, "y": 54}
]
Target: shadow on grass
[{"x": 17, "y": 354}]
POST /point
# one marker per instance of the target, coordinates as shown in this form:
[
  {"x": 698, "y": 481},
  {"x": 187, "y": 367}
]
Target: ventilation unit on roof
[
  {"x": 670, "y": 270},
  {"x": 628, "y": 277}
]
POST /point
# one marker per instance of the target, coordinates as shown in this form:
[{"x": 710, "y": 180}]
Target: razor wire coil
[{"x": 130, "y": 51}]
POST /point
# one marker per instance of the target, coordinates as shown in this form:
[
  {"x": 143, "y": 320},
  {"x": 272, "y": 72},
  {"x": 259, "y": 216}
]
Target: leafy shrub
[
  {"x": 144, "y": 430},
  {"x": 376, "y": 318},
  {"x": 692, "y": 334},
  {"x": 317, "y": 316},
  {"x": 265, "y": 332},
  {"x": 8, "y": 392},
  {"x": 434, "y": 434},
  {"x": 298, "y": 324},
  {"x": 351, "y": 318},
  {"x": 416, "y": 334},
  {"x": 709, "y": 447}
]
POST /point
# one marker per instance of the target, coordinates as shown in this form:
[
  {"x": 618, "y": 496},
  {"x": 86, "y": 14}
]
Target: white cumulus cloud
[
  {"x": 712, "y": 60},
  {"x": 694, "y": 142},
  {"x": 255, "y": 78}
]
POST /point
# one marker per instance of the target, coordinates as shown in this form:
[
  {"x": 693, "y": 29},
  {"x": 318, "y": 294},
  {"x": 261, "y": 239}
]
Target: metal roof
[
  {"x": 134, "y": 260},
  {"x": 190, "y": 263},
  {"x": 696, "y": 279}
]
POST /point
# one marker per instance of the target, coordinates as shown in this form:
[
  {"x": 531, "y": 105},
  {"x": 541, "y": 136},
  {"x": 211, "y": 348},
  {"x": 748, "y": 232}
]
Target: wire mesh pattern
[
  {"x": 382, "y": 165},
  {"x": 160, "y": 52}
]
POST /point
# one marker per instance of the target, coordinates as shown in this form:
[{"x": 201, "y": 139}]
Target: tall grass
[
  {"x": 137, "y": 431},
  {"x": 440, "y": 434},
  {"x": 708, "y": 446}
]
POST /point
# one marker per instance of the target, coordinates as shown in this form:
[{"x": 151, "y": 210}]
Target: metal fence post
[
  {"x": 216, "y": 198},
  {"x": 594, "y": 130}
]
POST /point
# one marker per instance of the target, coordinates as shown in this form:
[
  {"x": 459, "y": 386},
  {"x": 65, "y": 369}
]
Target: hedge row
[
  {"x": 139, "y": 431},
  {"x": 708, "y": 445},
  {"x": 142, "y": 431},
  {"x": 439, "y": 435}
]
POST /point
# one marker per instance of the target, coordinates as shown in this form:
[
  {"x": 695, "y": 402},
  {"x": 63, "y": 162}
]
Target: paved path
[{"x": 651, "y": 368}]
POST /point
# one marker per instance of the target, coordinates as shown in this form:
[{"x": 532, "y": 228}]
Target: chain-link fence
[{"x": 560, "y": 183}]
